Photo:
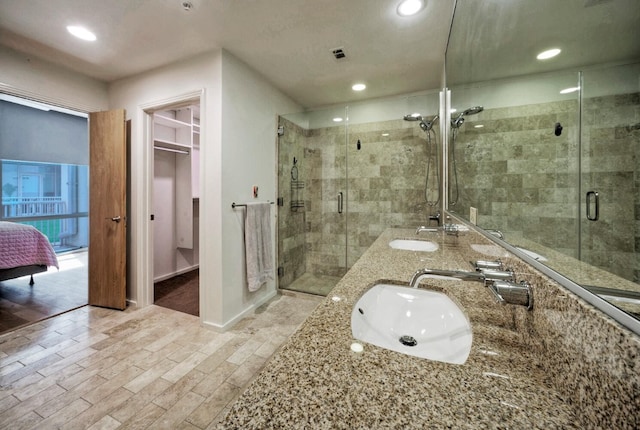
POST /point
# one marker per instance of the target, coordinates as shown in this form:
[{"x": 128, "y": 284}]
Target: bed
[{"x": 24, "y": 251}]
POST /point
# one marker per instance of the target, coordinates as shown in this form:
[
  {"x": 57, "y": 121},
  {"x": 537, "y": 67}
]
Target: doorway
[
  {"x": 45, "y": 185},
  {"x": 175, "y": 140}
]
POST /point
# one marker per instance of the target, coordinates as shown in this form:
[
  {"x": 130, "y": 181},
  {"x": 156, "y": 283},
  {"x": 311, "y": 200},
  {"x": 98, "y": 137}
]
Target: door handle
[
  {"x": 593, "y": 195},
  {"x": 115, "y": 218},
  {"x": 340, "y": 197}
]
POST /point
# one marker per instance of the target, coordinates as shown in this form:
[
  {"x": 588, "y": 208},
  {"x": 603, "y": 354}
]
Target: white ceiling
[
  {"x": 290, "y": 41},
  {"x": 287, "y": 41}
]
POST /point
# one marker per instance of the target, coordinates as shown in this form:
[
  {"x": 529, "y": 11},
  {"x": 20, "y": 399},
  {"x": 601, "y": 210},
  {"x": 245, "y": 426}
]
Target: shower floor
[{"x": 314, "y": 284}]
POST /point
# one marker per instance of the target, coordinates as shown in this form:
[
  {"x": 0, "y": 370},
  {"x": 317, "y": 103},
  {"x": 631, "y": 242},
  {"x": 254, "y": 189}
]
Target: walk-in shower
[
  {"x": 433, "y": 156},
  {"x": 456, "y": 123},
  {"x": 361, "y": 176}
]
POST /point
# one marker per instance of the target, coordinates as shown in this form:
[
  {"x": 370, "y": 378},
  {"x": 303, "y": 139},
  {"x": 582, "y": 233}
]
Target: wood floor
[
  {"x": 142, "y": 368},
  {"x": 55, "y": 291},
  {"x": 180, "y": 293}
]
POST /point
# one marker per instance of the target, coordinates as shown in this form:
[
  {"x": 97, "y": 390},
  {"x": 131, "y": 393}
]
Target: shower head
[
  {"x": 459, "y": 120},
  {"x": 473, "y": 110}
]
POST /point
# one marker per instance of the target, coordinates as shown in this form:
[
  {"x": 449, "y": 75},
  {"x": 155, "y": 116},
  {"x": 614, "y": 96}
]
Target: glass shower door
[
  {"x": 610, "y": 181},
  {"x": 312, "y": 207}
]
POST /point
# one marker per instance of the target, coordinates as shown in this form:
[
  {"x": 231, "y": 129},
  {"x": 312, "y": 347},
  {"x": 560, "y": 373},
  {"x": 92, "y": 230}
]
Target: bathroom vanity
[{"x": 562, "y": 364}]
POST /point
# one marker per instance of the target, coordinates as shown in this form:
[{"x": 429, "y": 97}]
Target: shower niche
[{"x": 364, "y": 169}]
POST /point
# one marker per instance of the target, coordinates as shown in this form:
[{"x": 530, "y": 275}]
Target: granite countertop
[{"x": 317, "y": 381}]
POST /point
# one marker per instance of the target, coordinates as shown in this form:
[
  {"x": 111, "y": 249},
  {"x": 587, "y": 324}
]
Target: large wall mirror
[{"x": 547, "y": 152}]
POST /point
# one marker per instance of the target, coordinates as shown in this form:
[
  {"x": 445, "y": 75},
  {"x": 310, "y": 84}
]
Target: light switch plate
[{"x": 473, "y": 215}]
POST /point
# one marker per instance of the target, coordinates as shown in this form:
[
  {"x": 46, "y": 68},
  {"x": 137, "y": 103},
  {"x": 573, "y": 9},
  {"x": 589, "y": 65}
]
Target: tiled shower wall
[
  {"x": 520, "y": 176},
  {"x": 524, "y": 180},
  {"x": 611, "y": 166},
  {"x": 382, "y": 182}
]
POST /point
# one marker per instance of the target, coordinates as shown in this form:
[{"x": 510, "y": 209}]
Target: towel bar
[{"x": 237, "y": 205}]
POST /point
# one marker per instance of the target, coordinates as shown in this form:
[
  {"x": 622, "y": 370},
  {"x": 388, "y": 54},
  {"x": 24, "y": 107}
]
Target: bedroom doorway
[{"x": 45, "y": 182}]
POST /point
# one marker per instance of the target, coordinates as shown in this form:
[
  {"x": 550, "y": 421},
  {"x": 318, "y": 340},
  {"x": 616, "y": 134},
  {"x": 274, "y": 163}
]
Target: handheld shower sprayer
[{"x": 428, "y": 125}]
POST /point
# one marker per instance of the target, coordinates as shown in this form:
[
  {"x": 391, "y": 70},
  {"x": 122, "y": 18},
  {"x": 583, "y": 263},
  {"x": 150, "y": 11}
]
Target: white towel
[{"x": 257, "y": 242}]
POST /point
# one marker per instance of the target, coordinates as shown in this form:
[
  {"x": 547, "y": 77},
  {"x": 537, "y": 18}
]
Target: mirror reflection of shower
[
  {"x": 456, "y": 123},
  {"x": 432, "y": 156}
]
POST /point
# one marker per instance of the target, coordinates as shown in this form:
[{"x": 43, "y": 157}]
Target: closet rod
[{"x": 239, "y": 205}]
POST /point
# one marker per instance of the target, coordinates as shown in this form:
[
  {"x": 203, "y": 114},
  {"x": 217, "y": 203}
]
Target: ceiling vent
[{"x": 339, "y": 53}]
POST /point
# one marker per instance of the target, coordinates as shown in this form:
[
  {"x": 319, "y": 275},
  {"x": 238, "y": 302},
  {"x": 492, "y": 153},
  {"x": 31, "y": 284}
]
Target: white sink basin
[
  {"x": 414, "y": 245},
  {"x": 412, "y": 321}
]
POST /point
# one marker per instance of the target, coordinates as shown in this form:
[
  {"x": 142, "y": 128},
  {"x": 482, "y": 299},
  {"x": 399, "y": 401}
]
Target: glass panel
[
  {"x": 388, "y": 158},
  {"x": 611, "y": 168},
  {"x": 515, "y": 161},
  {"x": 312, "y": 185},
  {"x": 343, "y": 183}
]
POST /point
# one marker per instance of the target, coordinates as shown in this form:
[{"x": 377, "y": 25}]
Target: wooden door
[{"x": 107, "y": 209}]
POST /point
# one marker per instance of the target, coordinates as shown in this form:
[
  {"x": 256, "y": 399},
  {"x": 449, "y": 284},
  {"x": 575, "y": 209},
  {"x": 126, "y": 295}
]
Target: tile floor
[{"x": 95, "y": 368}]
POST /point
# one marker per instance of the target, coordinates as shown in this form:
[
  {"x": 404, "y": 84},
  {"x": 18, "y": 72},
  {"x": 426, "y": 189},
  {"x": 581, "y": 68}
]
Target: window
[{"x": 44, "y": 170}]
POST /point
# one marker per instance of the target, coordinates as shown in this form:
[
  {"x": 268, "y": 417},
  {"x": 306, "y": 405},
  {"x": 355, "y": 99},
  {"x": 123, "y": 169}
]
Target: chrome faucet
[
  {"x": 456, "y": 274},
  {"x": 505, "y": 290}
]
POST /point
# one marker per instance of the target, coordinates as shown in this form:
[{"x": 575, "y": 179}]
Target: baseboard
[
  {"x": 179, "y": 272},
  {"x": 229, "y": 324}
]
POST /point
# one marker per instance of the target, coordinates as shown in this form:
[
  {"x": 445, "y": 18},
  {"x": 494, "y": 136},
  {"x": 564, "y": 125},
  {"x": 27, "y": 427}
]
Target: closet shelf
[
  {"x": 170, "y": 122},
  {"x": 166, "y": 144}
]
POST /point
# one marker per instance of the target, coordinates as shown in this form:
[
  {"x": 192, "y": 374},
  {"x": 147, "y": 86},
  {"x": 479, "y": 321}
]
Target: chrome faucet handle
[
  {"x": 498, "y": 275},
  {"x": 491, "y": 265},
  {"x": 507, "y": 292},
  {"x": 451, "y": 229}
]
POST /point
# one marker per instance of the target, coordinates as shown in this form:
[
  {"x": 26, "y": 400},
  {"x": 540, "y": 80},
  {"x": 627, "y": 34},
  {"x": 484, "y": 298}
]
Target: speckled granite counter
[{"x": 561, "y": 365}]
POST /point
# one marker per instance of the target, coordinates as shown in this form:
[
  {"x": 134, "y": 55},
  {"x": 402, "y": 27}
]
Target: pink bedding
[{"x": 24, "y": 245}]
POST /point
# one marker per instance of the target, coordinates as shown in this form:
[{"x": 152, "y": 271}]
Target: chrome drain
[{"x": 408, "y": 340}]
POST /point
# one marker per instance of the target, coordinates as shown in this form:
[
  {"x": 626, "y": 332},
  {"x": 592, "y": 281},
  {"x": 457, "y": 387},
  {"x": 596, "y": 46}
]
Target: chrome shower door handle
[
  {"x": 340, "y": 197},
  {"x": 593, "y": 195}
]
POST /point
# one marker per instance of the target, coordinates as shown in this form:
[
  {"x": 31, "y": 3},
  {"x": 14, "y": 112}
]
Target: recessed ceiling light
[
  {"x": 410, "y": 7},
  {"x": 550, "y": 53},
  {"x": 478, "y": 126},
  {"x": 81, "y": 33},
  {"x": 416, "y": 114},
  {"x": 569, "y": 90},
  {"x": 453, "y": 110},
  {"x": 337, "y": 119},
  {"x": 358, "y": 87},
  {"x": 385, "y": 134}
]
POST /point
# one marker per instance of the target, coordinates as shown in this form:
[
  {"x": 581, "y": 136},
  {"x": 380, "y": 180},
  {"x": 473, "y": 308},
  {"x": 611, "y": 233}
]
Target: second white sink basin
[
  {"x": 414, "y": 245},
  {"x": 412, "y": 321}
]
